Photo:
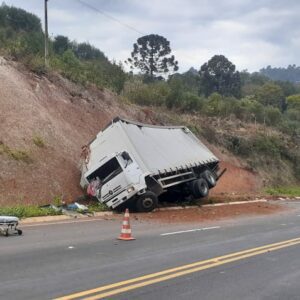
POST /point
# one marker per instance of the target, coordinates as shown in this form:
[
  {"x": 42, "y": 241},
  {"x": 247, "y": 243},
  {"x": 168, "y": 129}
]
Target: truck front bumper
[{"x": 121, "y": 198}]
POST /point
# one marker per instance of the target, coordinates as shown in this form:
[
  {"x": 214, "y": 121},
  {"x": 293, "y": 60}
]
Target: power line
[{"x": 110, "y": 17}]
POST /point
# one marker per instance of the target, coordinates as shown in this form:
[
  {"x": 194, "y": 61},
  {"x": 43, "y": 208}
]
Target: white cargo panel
[{"x": 155, "y": 148}]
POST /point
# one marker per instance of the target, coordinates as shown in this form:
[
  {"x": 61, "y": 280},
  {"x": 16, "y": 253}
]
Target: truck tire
[
  {"x": 146, "y": 202},
  {"x": 200, "y": 188},
  {"x": 210, "y": 178}
]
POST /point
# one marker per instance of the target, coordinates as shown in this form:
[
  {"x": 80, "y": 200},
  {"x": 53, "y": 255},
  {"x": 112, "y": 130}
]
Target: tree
[
  {"x": 85, "y": 51},
  {"x": 271, "y": 94},
  {"x": 151, "y": 54},
  {"x": 19, "y": 19},
  {"x": 219, "y": 75},
  {"x": 61, "y": 44},
  {"x": 291, "y": 73},
  {"x": 175, "y": 97},
  {"x": 293, "y": 102}
]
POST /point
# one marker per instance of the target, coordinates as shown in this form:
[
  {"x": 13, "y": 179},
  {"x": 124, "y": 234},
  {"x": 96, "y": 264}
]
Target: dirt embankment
[
  {"x": 210, "y": 213},
  {"x": 45, "y": 121}
]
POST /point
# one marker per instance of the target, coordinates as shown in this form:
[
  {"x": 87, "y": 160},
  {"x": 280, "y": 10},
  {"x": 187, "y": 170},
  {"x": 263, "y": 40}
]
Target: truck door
[{"x": 131, "y": 169}]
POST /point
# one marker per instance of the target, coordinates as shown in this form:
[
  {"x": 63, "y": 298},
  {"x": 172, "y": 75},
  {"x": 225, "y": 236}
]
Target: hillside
[
  {"x": 45, "y": 120},
  {"x": 49, "y": 112}
]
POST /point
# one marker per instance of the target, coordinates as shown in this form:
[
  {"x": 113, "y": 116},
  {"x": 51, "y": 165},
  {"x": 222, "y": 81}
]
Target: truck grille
[{"x": 111, "y": 193}]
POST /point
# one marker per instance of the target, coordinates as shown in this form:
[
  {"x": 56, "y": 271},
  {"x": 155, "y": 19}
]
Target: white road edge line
[{"x": 190, "y": 230}]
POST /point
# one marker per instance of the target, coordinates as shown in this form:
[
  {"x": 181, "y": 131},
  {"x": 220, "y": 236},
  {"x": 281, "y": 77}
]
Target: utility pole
[{"x": 46, "y": 33}]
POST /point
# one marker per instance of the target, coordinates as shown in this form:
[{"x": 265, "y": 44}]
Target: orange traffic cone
[{"x": 126, "y": 230}]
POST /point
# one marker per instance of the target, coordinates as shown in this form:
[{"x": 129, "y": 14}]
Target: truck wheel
[
  {"x": 200, "y": 188},
  {"x": 210, "y": 178},
  {"x": 146, "y": 202}
]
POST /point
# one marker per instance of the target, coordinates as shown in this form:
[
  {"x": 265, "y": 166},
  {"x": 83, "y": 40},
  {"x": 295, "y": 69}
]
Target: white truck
[{"x": 130, "y": 163}]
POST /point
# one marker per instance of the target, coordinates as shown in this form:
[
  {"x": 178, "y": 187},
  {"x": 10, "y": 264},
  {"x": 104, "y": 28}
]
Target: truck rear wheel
[
  {"x": 199, "y": 188},
  {"x": 146, "y": 202},
  {"x": 210, "y": 178}
]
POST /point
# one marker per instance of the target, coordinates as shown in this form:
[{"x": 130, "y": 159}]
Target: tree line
[{"x": 216, "y": 88}]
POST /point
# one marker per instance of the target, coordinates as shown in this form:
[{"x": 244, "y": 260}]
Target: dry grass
[
  {"x": 16, "y": 154},
  {"x": 38, "y": 141}
]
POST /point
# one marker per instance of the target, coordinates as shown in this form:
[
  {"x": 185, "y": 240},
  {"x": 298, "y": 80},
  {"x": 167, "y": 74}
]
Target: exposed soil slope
[{"x": 64, "y": 117}]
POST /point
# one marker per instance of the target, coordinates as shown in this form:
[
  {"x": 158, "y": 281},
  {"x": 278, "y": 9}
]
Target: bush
[
  {"x": 239, "y": 145},
  {"x": 214, "y": 105},
  {"x": 273, "y": 116},
  {"x": 146, "y": 94},
  {"x": 264, "y": 145},
  {"x": 191, "y": 102},
  {"x": 293, "y": 101},
  {"x": 270, "y": 146},
  {"x": 175, "y": 97},
  {"x": 70, "y": 66}
]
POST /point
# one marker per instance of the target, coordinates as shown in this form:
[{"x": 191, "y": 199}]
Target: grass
[
  {"x": 38, "y": 141},
  {"x": 96, "y": 207},
  {"x": 22, "y": 211},
  {"x": 28, "y": 211},
  {"x": 292, "y": 191},
  {"x": 16, "y": 154}
]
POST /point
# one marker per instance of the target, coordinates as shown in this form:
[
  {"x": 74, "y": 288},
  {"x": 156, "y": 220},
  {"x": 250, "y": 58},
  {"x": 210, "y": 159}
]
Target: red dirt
[
  {"x": 66, "y": 117},
  {"x": 213, "y": 213}
]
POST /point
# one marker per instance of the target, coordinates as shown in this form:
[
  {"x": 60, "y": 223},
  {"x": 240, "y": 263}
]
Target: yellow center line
[{"x": 117, "y": 288}]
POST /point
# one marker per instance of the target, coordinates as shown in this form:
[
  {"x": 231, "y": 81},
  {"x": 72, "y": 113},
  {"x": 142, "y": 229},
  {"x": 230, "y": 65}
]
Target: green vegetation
[
  {"x": 219, "y": 75},
  {"x": 16, "y": 154},
  {"x": 22, "y": 211},
  {"x": 22, "y": 38},
  {"x": 57, "y": 201},
  {"x": 293, "y": 191},
  {"x": 151, "y": 55},
  {"x": 291, "y": 73},
  {"x": 216, "y": 90},
  {"x": 97, "y": 207}
]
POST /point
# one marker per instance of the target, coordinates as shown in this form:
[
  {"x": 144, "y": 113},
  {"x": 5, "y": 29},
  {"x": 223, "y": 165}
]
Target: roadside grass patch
[
  {"x": 38, "y": 141},
  {"x": 22, "y": 211},
  {"x": 293, "y": 191},
  {"x": 97, "y": 207}
]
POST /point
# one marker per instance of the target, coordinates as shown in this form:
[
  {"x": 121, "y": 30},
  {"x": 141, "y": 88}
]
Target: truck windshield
[{"x": 107, "y": 171}]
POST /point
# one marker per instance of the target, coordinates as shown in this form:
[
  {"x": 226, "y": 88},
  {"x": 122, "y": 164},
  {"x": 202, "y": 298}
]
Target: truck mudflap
[{"x": 221, "y": 174}]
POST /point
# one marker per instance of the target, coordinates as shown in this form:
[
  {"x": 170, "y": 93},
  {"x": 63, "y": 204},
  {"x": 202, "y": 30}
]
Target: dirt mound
[{"x": 45, "y": 121}]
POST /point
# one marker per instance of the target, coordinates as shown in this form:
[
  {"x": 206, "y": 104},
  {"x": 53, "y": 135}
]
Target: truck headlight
[{"x": 131, "y": 189}]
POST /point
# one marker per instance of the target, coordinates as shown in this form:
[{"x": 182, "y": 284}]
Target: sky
[{"x": 251, "y": 34}]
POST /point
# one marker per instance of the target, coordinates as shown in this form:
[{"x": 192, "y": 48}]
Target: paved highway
[{"x": 242, "y": 258}]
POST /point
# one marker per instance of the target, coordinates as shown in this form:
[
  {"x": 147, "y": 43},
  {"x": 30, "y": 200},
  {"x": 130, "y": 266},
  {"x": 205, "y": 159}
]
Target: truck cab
[{"x": 119, "y": 179}]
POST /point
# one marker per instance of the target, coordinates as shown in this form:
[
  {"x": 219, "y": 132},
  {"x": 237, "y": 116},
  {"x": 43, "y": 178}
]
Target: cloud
[{"x": 252, "y": 34}]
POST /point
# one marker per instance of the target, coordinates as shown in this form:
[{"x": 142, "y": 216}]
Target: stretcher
[{"x": 9, "y": 225}]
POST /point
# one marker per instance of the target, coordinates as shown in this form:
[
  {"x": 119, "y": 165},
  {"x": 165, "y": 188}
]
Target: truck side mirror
[{"x": 125, "y": 156}]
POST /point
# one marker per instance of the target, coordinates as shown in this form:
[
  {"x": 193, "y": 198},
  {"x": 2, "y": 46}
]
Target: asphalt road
[{"x": 243, "y": 258}]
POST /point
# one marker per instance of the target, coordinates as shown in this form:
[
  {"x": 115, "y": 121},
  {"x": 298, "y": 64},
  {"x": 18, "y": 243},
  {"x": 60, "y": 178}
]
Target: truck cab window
[{"x": 107, "y": 171}]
